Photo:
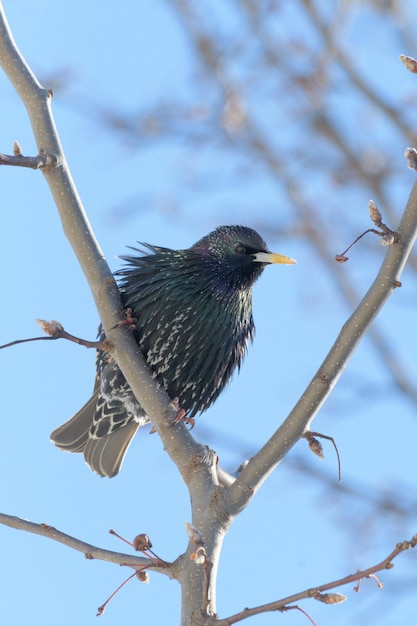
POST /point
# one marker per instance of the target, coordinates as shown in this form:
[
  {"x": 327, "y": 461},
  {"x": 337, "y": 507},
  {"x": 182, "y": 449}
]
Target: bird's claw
[
  {"x": 128, "y": 321},
  {"x": 181, "y": 415}
]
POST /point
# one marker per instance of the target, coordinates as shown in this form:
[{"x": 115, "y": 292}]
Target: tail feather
[
  {"x": 74, "y": 434},
  {"x": 104, "y": 454}
]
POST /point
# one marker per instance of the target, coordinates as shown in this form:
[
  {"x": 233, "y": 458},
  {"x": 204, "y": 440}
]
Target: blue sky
[{"x": 139, "y": 53}]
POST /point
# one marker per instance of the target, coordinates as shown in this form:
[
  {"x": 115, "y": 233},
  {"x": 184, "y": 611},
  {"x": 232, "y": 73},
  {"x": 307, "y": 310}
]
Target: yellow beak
[{"x": 273, "y": 257}]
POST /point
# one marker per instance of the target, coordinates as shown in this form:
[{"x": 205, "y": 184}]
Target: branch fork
[{"x": 43, "y": 161}]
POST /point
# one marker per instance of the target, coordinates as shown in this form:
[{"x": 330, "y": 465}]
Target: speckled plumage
[{"x": 194, "y": 322}]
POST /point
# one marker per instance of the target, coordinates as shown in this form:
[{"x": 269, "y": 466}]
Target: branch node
[
  {"x": 17, "y": 150},
  {"x": 316, "y": 447},
  {"x": 55, "y": 330},
  {"x": 323, "y": 377},
  {"x": 47, "y": 161},
  {"x": 194, "y": 534},
  {"x": 43, "y": 161},
  {"x": 411, "y": 156},
  {"x": 46, "y": 527},
  {"x": 330, "y": 598},
  {"x": 409, "y": 62},
  {"x": 388, "y": 236}
]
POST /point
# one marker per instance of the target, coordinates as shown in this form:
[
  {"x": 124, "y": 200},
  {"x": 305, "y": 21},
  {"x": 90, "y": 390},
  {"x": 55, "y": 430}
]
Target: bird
[{"x": 193, "y": 324}]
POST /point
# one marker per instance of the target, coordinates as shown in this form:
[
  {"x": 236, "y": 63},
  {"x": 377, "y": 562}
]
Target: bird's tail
[{"x": 104, "y": 455}]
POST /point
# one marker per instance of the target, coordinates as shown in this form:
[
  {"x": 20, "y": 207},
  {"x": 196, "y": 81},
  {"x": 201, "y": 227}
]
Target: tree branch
[
  {"x": 323, "y": 382},
  {"x": 40, "y": 162},
  {"x": 317, "y": 592},
  {"x": 89, "y": 551}
]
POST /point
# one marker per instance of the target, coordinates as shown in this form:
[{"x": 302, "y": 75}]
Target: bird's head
[{"x": 237, "y": 255}]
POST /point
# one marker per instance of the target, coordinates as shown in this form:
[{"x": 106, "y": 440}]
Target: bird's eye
[{"x": 240, "y": 248}]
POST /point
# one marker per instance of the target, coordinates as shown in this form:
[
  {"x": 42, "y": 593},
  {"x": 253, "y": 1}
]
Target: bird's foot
[
  {"x": 128, "y": 321},
  {"x": 181, "y": 415}
]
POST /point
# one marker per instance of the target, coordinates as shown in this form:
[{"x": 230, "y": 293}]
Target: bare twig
[
  {"x": 316, "y": 447},
  {"x": 141, "y": 543},
  {"x": 317, "y": 592},
  {"x": 89, "y": 551},
  {"x": 388, "y": 236},
  {"x": 55, "y": 330},
  {"x": 16, "y": 342},
  {"x": 43, "y": 161}
]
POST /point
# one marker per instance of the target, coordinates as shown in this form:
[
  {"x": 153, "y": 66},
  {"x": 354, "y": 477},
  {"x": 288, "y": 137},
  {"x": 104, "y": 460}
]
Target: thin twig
[
  {"x": 90, "y": 551},
  {"x": 16, "y": 342},
  {"x": 42, "y": 161},
  {"x": 55, "y": 330},
  {"x": 317, "y": 592}
]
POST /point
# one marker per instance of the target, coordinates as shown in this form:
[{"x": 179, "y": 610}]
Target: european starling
[{"x": 193, "y": 311}]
